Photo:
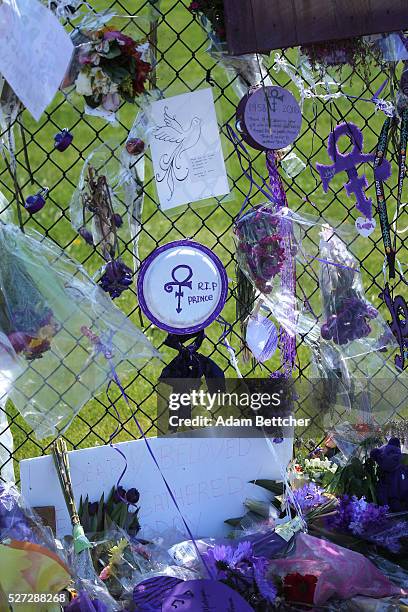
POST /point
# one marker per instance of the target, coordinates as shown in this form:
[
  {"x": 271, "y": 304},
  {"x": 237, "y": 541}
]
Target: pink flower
[{"x": 105, "y": 573}]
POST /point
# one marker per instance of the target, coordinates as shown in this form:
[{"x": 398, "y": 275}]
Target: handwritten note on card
[
  {"x": 35, "y": 52},
  {"x": 186, "y": 149}
]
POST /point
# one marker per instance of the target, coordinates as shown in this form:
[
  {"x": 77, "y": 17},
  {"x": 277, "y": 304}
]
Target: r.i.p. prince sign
[{"x": 182, "y": 287}]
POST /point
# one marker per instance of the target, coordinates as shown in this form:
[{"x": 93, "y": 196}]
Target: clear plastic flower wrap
[
  {"x": 19, "y": 522},
  {"x": 108, "y": 66},
  {"x": 97, "y": 204},
  {"x": 29, "y": 558},
  {"x": 99, "y": 211},
  {"x": 61, "y": 332},
  {"x": 345, "y": 318}
]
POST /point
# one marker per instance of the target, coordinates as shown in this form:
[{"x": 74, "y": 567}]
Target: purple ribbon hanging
[
  {"x": 288, "y": 272},
  {"x": 106, "y": 350}
]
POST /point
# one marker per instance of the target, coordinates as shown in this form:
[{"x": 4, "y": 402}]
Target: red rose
[{"x": 299, "y": 589}]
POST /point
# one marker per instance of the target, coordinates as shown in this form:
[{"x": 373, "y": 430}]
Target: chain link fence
[{"x": 183, "y": 64}]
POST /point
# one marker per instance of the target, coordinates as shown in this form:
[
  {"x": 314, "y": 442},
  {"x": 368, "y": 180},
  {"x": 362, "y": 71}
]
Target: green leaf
[
  {"x": 100, "y": 513},
  {"x": 114, "y": 51},
  {"x": 234, "y": 522},
  {"x": 270, "y": 485},
  {"x": 116, "y": 73}
]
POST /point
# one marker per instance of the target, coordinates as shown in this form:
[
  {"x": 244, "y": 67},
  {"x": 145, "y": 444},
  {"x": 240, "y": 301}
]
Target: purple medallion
[
  {"x": 269, "y": 118},
  {"x": 182, "y": 287}
]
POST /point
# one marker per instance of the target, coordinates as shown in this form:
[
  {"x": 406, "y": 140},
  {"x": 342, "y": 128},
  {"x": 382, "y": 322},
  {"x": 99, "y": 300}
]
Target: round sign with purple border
[
  {"x": 182, "y": 287},
  {"x": 269, "y": 118},
  {"x": 204, "y": 595}
]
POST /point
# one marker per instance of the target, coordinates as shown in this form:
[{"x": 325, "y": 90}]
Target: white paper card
[
  {"x": 35, "y": 52},
  {"x": 186, "y": 149},
  {"x": 208, "y": 476}
]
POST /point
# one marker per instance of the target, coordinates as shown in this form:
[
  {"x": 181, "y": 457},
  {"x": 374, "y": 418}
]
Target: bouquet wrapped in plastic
[
  {"x": 347, "y": 315},
  {"x": 63, "y": 336},
  {"x": 347, "y": 319},
  {"x": 108, "y": 66},
  {"x": 98, "y": 212}
]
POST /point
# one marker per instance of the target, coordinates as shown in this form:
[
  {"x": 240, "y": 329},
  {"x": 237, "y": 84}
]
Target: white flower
[{"x": 83, "y": 84}]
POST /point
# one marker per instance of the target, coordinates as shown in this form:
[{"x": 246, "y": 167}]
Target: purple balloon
[
  {"x": 149, "y": 594},
  {"x": 204, "y": 595}
]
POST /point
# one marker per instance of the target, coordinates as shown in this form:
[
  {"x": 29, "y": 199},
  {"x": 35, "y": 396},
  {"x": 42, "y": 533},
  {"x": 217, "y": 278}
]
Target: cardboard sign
[
  {"x": 182, "y": 287},
  {"x": 208, "y": 476},
  {"x": 262, "y": 25},
  {"x": 186, "y": 149},
  {"x": 35, "y": 52}
]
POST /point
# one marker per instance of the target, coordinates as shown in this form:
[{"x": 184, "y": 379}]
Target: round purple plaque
[
  {"x": 269, "y": 118},
  {"x": 182, "y": 287},
  {"x": 204, "y": 595}
]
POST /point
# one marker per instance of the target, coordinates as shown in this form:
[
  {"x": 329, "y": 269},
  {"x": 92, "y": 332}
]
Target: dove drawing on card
[{"x": 181, "y": 139}]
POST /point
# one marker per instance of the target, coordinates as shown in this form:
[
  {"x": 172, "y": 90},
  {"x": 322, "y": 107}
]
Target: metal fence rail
[{"x": 183, "y": 64}]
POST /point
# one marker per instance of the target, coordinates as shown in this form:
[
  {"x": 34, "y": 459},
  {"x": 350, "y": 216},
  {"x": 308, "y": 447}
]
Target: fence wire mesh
[{"x": 183, "y": 64}]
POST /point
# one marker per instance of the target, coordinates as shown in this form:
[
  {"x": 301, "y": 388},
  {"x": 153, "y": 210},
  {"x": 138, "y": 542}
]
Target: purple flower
[
  {"x": 62, "y": 140},
  {"x": 133, "y": 496},
  {"x": 308, "y": 497},
  {"x": 119, "y": 495},
  {"x": 93, "y": 508},
  {"x": 350, "y": 322},
  {"x": 135, "y": 146},
  {"x": 241, "y": 570},
  {"x": 35, "y": 203},
  {"x": 358, "y": 516},
  {"x": 116, "y": 278},
  {"x": 86, "y": 235},
  {"x": 117, "y": 219},
  {"x": 83, "y": 603}
]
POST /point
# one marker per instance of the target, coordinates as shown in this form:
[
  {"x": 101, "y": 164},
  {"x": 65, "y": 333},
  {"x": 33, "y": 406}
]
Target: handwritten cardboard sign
[
  {"x": 35, "y": 52},
  {"x": 208, "y": 476}
]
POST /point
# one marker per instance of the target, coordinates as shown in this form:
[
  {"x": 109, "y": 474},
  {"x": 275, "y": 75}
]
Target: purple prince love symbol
[
  {"x": 347, "y": 162},
  {"x": 180, "y": 283}
]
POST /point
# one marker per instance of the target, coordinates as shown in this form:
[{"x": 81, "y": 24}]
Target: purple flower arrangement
[
  {"x": 118, "y": 509},
  {"x": 238, "y": 568},
  {"x": 350, "y": 323},
  {"x": 260, "y": 250},
  {"x": 309, "y": 497},
  {"x": 358, "y": 516}
]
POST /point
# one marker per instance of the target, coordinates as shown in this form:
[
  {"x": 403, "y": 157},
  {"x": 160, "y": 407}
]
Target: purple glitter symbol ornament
[
  {"x": 348, "y": 162},
  {"x": 35, "y": 203}
]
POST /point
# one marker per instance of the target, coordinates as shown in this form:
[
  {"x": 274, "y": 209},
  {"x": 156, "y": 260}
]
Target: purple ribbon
[{"x": 107, "y": 352}]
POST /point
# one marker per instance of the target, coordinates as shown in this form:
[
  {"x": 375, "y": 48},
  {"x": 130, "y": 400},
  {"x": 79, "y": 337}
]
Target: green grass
[{"x": 179, "y": 70}]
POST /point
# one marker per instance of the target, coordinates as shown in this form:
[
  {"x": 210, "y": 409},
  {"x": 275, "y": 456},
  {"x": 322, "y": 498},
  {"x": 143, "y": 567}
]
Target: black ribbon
[{"x": 189, "y": 364}]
